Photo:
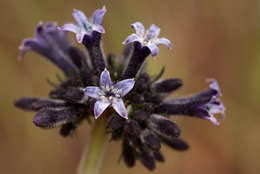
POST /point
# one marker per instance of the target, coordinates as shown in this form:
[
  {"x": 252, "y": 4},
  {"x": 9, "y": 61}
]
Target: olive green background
[{"x": 219, "y": 39}]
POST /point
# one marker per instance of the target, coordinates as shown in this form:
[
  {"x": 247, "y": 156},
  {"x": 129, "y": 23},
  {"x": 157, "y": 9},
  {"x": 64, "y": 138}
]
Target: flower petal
[
  {"x": 100, "y": 107},
  {"x": 105, "y": 79},
  {"x": 214, "y": 85},
  {"x": 98, "y": 15},
  {"x": 75, "y": 29},
  {"x": 131, "y": 38},
  {"x": 98, "y": 28},
  {"x": 93, "y": 91},
  {"x": 153, "y": 32},
  {"x": 213, "y": 120},
  {"x": 70, "y": 27},
  {"x": 139, "y": 28},
  {"x": 125, "y": 86},
  {"x": 153, "y": 48},
  {"x": 80, "y": 18},
  {"x": 119, "y": 107},
  {"x": 165, "y": 42}
]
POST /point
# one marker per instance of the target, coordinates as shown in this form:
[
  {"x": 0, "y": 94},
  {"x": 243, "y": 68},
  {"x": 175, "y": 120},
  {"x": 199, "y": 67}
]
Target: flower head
[
  {"x": 108, "y": 94},
  {"x": 147, "y": 39},
  {"x": 146, "y": 124},
  {"x": 84, "y": 26}
]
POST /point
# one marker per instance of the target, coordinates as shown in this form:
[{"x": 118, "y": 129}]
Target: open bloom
[
  {"x": 108, "y": 94},
  {"x": 147, "y": 39},
  {"x": 85, "y": 26},
  {"x": 203, "y": 105}
]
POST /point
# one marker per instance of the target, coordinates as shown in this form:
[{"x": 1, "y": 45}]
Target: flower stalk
[{"x": 95, "y": 149}]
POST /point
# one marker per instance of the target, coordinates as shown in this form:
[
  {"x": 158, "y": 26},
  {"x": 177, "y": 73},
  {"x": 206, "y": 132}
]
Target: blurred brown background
[{"x": 219, "y": 39}]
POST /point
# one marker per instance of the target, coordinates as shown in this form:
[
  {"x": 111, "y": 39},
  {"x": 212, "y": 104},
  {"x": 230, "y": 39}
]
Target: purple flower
[
  {"x": 203, "y": 105},
  {"x": 108, "y": 94},
  {"x": 147, "y": 39},
  {"x": 53, "y": 44},
  {"x": 85, "y": 26},
  {"x": 214, "y": 106}
]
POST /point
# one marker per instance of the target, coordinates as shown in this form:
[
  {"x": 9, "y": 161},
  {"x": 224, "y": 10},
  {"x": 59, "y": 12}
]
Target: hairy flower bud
[
  {"x": 149, "y": 139},
  {"x": 35, "y": 104},
  {"x": 53, "y": 117},
  {"x": 167, "y": 86},
  {"x": 163, "y": 126}
]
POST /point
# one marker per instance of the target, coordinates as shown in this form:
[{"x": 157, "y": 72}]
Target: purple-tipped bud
[
  {"x": 150, "y": 140},
  {"x": 115, "y": 122},
  {"x": 75, "y": 95},
  {"x": 176, "y": 143},
  {"x": 53, "y": 117},
  {"x": 158, "y": 156},
  {"x": 167, "y": 86},
  {"x": 35, "y": 104},
  {"x": 140, "y": 115},
  {"x": 128, "y": 154},
  {"x": 163, "y": 126},
  {"x": 67, "y": 129},
  {"x": 132, "y": 127},
  {"x": 147, "y": 159},
  {"x": 117, "y": 134}
]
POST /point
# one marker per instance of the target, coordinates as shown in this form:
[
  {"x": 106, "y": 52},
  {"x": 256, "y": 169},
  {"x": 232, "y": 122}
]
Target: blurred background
[{"x": 219, "y": 39}]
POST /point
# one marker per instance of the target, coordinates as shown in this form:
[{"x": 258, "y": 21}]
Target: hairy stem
[
  {"x": 93, "y": 45},
  {"x": 91, "y": 160},
  {"x": 136, "y": 61}
]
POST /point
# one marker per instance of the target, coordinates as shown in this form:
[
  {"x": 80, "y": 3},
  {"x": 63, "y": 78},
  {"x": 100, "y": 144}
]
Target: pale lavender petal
[
  {"x": 139, "y": 28},
  {"x": 124, "y": 86},
  {"x": 98, "y": 28},
  {"x": 105, "y": 79},
  {"x": 214, "y": 85},
  {"x": 217, "y": 107},
  {"x": 165, "y": 42},
  {"x": 70, "y": 27},
  {"x": 80, "y": 18},
  {"x": 100, "y": 107},
  {"x": 80, "y": 37},
  {"x": 213, "y": 120},
  {"x": 93, "y": 91},
  {"x": 153, "y": 32},
  {"x": 119, "y": 107},
  {"x": 98, "y": 15},
  {"x": 154, "y": 49},
  {"x": 131, "y": 38},
  {"x": 75, "y": 29}
]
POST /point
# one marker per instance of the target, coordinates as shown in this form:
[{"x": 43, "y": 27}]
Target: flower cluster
[{"x": 136, "y": 106}]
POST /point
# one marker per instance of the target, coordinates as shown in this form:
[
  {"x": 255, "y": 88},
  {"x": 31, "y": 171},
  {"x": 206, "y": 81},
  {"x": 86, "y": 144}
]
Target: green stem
[{"x": 91, "y": 161}]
